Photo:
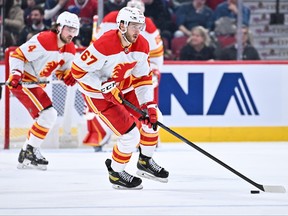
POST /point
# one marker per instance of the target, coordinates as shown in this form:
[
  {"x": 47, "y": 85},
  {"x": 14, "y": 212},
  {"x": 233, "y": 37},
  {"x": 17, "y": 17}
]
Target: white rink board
[
  {"x": 202, "y": 85},
  {"x": 266, "y": 83}
]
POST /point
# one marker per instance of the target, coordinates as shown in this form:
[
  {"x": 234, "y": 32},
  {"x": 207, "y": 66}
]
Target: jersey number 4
[{"x": 87, "y": 56}]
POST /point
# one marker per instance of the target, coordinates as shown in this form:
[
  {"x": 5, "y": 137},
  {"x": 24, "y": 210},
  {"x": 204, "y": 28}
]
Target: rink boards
[
  {"x": 225, "y": 101},
  {"x": 213, "y": 101}
]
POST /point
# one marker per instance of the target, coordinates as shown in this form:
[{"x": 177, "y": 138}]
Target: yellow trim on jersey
[
  {"x": 29, "y": 77},
  {"x": 33, "y": 98},
  {"x": 148, "y": 82},
  {"x": 77, "y": 72},
  {"x": 156, "y": 52},
  {"x": 88, "y": 88},
  {"x": 76, "y": 67},
  {"x": 95, "y": 110},
  {"x": 19, "y": 55}
]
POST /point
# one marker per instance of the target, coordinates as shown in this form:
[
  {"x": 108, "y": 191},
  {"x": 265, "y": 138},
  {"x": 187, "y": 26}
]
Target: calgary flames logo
[
  {"x": 50, "y": 67},
  {"x": 122, "y": 71}
]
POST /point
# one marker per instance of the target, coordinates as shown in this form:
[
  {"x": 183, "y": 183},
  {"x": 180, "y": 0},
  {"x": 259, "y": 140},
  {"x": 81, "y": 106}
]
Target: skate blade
[
  {"x": 118, "y": 187},
  {"x": 147, "y": 175},
  {"x": 27, "y": 165}
]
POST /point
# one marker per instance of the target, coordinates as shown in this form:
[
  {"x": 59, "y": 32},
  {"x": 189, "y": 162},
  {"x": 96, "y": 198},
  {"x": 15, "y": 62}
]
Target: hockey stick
[
  {"x": 265, "y": 188},
  {"x": 22, "y": 83},
  {"x": 27, "y": 83}
]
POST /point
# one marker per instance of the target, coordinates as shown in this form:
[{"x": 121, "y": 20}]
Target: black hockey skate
[
  {"x": 148, "y": 168},
  {"x": 123, "y": 180},
  {"x": 31, "y": 159}
]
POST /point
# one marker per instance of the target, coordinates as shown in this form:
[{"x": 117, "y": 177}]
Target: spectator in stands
[
  {"x": 85, "y": 9},
  {"x": 52, "y": 9},
  {"x": 14, "y": 21},
  {"x": 37, "y": 25},
  {"x": 229, "y": 8},
  {"x": 159, "y": 12},
  {"x": 27, "y": 11},
  {"x": 27, "y": 6},
  {"x": 113, "y": 5},
  {"x": 194, "y": 13},
  {"x": 248, "y": 51},
  {"x": 198, "y": 46}
]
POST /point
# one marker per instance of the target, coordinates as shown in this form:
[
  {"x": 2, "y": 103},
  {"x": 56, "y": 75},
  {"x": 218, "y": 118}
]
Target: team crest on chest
[{"x": 122, "y": 71}]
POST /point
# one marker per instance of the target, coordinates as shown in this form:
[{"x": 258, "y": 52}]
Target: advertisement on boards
[{"x": 222, "y": 102}]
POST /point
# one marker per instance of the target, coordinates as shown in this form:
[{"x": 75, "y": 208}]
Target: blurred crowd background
[{"x": 190, "y": 29}]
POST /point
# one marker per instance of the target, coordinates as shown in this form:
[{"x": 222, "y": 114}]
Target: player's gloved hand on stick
[
  {"x": 15, "y": 79},
  {"x": 151, "y": 119},
  {"x": 68, "y": 79},
  {"x": 111, "y": 92}
]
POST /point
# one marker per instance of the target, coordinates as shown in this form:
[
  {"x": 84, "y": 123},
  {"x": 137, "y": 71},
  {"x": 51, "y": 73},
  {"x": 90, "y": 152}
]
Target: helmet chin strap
[{"x": 125, "y": 38}]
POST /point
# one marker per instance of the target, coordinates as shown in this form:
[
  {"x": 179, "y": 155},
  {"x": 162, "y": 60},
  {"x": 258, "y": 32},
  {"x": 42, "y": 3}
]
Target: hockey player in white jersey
[
  {"x": 150, "y": 33},
  {"x": 98, "y": 134},
  {"x": 117, "y": 66},
  {"x": 45, "y": 53}
]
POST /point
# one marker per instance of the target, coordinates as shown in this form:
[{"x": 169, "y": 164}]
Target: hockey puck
[{"x": 254, "y": 191}]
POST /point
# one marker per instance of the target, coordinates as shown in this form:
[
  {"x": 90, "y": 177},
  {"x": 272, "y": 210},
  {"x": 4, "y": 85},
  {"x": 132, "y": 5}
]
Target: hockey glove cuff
[
  {"x": 14, "y": 80},
  {"x": 111, "y": 93},
  {"x": 68, "y": 79},
  {"x": 151, "y": 119}
]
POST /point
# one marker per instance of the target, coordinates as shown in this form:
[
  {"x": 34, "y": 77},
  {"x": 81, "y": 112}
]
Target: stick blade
[{"x": 274, "y": 189}]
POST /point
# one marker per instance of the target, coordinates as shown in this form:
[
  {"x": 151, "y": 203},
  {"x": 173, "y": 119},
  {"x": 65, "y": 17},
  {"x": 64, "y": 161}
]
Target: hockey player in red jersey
[
  {"x": 117, "y": 66},
  {"x": 45, "y": 53},
  {"x": 98, "y": 134}
]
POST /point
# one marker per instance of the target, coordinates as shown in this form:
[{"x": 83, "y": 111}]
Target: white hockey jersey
[
  {"x": 151, "y": 34},
  {"x": 39, "y": 57},
  {"x": 106, "y": 59}
]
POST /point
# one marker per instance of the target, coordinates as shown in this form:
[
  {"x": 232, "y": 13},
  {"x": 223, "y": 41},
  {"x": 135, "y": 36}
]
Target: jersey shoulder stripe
[
  {"x": 48, "y": 40},
  {"x": 110, "y": 17},
  {"x": 109, "y": 44},
  {"x": 150, "y": 26}
]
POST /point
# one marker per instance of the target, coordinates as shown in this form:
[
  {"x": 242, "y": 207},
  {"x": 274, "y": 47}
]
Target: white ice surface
[{"x": 76, "y": 183}]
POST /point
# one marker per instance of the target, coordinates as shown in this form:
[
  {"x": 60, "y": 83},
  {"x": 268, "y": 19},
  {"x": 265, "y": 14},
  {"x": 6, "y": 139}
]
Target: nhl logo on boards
[{"x": 126, "y": 50}]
